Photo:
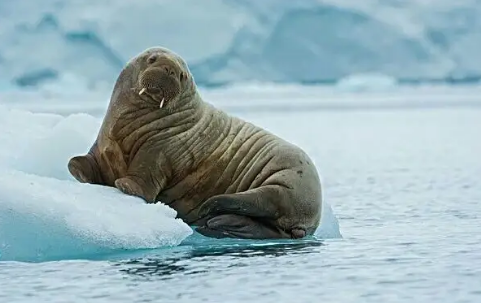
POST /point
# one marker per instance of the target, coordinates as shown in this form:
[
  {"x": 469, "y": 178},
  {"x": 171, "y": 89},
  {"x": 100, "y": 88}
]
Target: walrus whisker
[
  {"x": 142, "y": 91},
  {"x": 162, "y": 103}
]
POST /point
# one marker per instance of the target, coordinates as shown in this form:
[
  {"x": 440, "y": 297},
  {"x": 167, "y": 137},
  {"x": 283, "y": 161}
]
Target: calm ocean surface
[{"x": 404, "y": 185}]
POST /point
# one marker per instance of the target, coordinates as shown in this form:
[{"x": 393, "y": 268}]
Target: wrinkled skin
[{"x": 227, "y": 177}]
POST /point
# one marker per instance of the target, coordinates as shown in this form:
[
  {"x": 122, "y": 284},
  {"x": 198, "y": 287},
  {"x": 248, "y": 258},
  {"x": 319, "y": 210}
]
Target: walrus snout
[{"x": 160, "y": 82}]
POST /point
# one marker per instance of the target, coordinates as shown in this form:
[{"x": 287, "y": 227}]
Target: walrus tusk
[
  {"x": 162, "y": 103},
  {"x": 142, "y": 91}
]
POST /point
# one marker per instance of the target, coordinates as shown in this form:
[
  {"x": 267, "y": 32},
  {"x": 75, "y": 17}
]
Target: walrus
[{"x": 225, "y": 177}]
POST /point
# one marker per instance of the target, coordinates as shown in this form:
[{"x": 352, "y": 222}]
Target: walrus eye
[
  {"x": 182, "y": 76},
  {"x": 152, "y": 59}
]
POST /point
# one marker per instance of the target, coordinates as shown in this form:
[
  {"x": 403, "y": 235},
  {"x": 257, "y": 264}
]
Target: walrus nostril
[{"x": 169, "y": 70}]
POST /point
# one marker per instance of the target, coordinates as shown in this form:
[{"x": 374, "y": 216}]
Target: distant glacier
[{"x": 231, "y": 41}]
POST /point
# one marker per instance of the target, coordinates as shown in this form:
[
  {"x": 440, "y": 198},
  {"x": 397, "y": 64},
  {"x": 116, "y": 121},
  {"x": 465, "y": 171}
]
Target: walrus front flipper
[
  {"x": 85, "y": 169},
  {"x": 146, "y": 174},
  {"x": 236, "y": 226},
  {"x": 140, "y": 185}
]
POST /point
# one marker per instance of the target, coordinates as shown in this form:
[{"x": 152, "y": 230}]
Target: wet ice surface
[{"x": 404, "y": 185}]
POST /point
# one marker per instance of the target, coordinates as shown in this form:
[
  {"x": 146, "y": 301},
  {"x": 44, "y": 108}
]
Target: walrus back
[
  {"x": 246, "y": 157},
  {"x": 264, "y": 159}
]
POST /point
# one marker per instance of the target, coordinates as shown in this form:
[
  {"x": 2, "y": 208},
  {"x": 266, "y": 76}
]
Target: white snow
[
  {"x": 87, "y": 42},
  {"x": 45, "y": 213}
]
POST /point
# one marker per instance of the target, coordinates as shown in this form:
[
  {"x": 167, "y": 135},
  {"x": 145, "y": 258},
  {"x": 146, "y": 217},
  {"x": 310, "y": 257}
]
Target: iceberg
[{"x": 228, "y": 42}]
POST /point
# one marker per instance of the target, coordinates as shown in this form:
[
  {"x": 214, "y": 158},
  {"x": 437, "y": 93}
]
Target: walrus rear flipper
[
  {"x": 236, "y": 226},
  {"x": 85, "y": 169},
  {"x": 252, "y": 214}
]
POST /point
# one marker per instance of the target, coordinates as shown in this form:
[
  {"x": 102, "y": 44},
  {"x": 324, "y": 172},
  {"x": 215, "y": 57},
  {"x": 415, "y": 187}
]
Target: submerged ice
[{"x": 45, "y": 218}]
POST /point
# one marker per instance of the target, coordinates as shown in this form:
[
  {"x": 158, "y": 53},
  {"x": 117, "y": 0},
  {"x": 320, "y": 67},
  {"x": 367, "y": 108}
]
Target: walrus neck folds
[
  {"x": 207, "y": 132},
  {"x": 135, "y": 122}
]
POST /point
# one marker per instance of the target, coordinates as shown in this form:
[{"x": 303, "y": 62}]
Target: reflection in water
[
  {"x": 162, "y": 268},
  {"x": 168, "y": 262},
  {"x": 246, "y": 251}
]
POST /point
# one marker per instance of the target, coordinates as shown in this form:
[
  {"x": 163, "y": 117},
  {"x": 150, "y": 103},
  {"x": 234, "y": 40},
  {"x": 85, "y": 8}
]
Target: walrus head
[{"x": 162, "y": 77}]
